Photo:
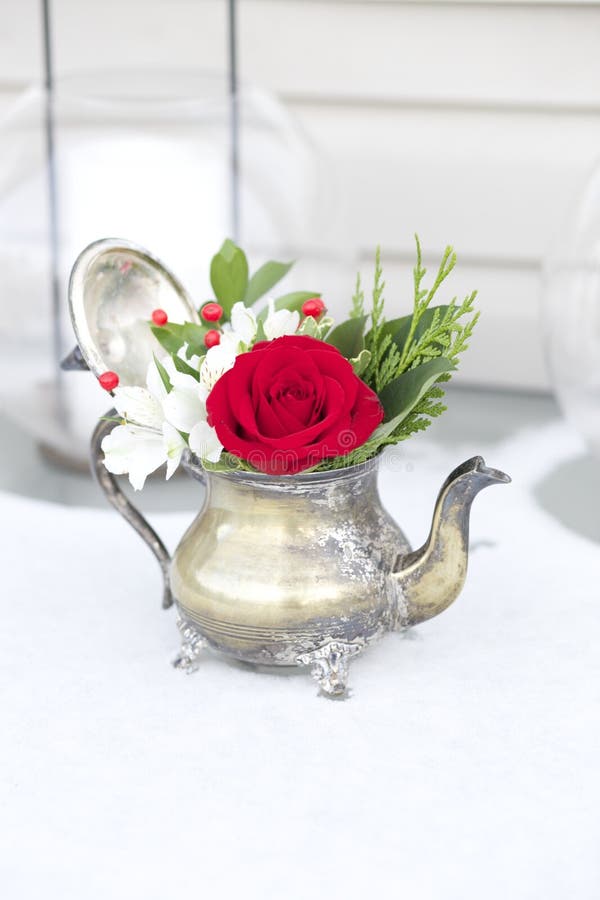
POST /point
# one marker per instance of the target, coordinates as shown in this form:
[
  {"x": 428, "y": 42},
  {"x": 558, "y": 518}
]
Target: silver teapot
[{"x": 300, "y": 570}]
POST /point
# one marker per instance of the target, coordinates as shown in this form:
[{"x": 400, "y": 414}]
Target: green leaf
[
  {"x": 264, "y": 279},
  {"x": 348, "y": 337},
  {"x": 360, "y": 362},
  {"x": 163, "y": 375},
  {"x": 402, "y": 394},
  {"x": 228, "y": 463},
  {"x": 293, "y": 302},
  {"x": 183, "y": 367},
  {"x": 260, "y": 331},
  {"x": 229, "y": 275},
  {"x": 309, "y": 327},
  {"x": 193, "y": 335},
  {"x": 167, "y": 338}
]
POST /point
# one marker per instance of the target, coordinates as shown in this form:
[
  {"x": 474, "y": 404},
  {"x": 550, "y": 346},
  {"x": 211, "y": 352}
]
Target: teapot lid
[{"x": 115, "y": 286}]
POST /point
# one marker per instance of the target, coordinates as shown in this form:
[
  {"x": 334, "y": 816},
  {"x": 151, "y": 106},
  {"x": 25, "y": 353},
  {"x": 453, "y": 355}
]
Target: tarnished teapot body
[
  {"x": 272, "y": 568},
  {"x": 305, "y": 569}
]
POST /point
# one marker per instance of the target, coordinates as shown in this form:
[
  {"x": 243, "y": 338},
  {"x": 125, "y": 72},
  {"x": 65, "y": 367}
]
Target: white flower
[
  {"x": 243, "y": 325},
  {"x": 156, "y": 417},
  {"x": 173, "y": 445},
  {"x": 183, "y": 406},
  {"x": 140, "y": 406},
  {"x": 134, "y": 451},
  {"x": 218, "y": 360},
  {"x": 280, "y": 322},
  {"x": 154, "y": 382},
  {"x": 150, "y": 436},
  {"x": 205, "y": 443},
  {"x": 194, "y": 361}
]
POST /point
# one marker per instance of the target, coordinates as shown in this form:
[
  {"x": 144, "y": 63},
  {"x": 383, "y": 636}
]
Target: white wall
[{"x": 473, "y": 123}]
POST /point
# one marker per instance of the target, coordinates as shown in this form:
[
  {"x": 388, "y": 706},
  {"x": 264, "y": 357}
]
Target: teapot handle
[{"x": 117, "y": 498}]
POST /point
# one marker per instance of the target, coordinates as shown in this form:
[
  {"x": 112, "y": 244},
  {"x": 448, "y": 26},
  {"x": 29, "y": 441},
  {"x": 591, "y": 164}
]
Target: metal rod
[
  {"x": 51, "y": 185},
  {"x": 234, "y": 120}
]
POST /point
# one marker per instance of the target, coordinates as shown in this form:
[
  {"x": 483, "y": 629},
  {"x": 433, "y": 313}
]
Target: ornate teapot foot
[
  {"x": 192, "y": 644},
  {"x": 329, "y": 665}
]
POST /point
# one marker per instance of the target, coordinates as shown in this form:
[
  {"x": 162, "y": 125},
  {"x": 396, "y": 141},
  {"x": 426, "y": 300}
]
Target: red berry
[
  {"x": 212, "y": 312},
  {"x": 313, "y": 307},
  {"x": 159, "y": 317},
  {"x": 212, "y": 338},
  {"x": 109, "y": 381}
]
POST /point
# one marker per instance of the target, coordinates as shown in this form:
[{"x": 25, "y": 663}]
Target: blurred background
[{"x": 359, "y": 123}]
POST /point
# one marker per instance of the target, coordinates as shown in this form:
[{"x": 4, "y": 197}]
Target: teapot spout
[{"x": 428, "y": 580}]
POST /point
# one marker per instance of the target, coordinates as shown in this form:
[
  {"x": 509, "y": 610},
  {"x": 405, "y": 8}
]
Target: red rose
[{"x": 290, "y": 403}]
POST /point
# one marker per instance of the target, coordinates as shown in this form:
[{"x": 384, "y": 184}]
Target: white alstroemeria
[
  {"x": 205, "y": 443},
  {"x": 194, "y": 361},
  {"x": 218, "y": 360},
  {"x": 155, "y": 417},
  {"x": 280, "y": 322},
  {"x": 139, "y": 406},
  {"x": 184, "y": 405},
  {"x": 135, "y": 451},
  {"x": 243, "y": 324},
  {"x": 146, "y": 439},
  {"x": 154, "y": 382},
  {"x": 173, "y": 445}
]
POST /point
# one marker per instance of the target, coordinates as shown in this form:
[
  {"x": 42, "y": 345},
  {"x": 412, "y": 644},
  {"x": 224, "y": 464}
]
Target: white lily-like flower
[
  {"x": 205, "y": 443},
  {"x": 243, "y": 325},
  {"x": 146, "y": 439},
  {"x": 135, "y": 451},
  {"x": 155, "y": 418},
  {"x": 139, "y": 406},
  {"x": 154, "y": 382},
  {"x": 184, "y": 405},
  {"x": 194, "y": 361},
  {"x": 218, "y": 360},
  {"x": 280, "y": 322},
  {"x": 173, "y": 445}
]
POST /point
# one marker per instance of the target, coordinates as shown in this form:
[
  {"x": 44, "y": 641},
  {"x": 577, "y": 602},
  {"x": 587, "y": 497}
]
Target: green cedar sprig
[{"x": 411, "y": 357}]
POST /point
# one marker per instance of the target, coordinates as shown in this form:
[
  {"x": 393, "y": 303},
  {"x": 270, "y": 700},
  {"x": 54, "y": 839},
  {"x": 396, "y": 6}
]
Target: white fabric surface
[{"x": 464, "y": 764}]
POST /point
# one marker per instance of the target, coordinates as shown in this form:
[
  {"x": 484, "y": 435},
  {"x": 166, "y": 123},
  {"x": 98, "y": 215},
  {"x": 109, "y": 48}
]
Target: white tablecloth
[{"x": 465, "y": 763}]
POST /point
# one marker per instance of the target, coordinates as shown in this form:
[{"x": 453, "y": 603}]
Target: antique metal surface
[
  {"x": 117, "y": 498},
  {"x": 329, "y": 665},
  {"x": 114, "y": 287},
  {"x": 307, "y": 569},
  {"x": 276, "y": 567},
  {"x": 432, "y": 577},
  {"x": 192, "y": 645}
]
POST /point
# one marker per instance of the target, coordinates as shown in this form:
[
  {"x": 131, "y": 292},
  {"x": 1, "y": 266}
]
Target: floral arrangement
[{"x": 282, "y": 389}]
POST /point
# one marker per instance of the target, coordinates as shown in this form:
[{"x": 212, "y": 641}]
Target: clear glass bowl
[
  {"x": 145, "y": 156},
  {"x": 571, "y": 313}
]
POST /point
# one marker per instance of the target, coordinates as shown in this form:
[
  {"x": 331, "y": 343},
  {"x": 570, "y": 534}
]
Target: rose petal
[{"x": 267, "y": 420}]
